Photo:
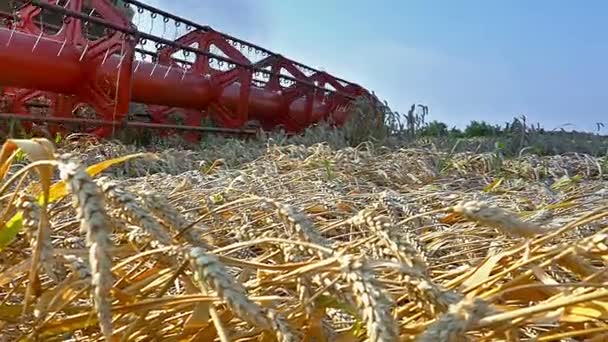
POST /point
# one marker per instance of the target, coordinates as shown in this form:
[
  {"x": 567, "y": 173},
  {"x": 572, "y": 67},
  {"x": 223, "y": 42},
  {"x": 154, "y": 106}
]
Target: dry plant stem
[
  {"x": 555, "y": 255},
  {"x": 12, "y": 198},
  {"x": 142, "y": 316},
  {"x": 600, "y": 333},
  {"x": 511, "y": 225},
  {"x": 431, "y": 297},
  {"x": 23, "y": 172},
  {"x": 277, "y": 241},
  {"x": 298, "y": 222},
  {"x": 421, "y": 289},
  {"x": 383, "y": 228},
  {"x": 173, "y": 302},
  {"x": 417, "y": 216},
  {"x": 556, "y": 250},
  {"x": 492, "y": 320},
  {"x": 586, "y": 219},
  {"x": 45, "y": 318},
  {"x": 140, "y": 255},
  {"x": 90, "y": 210},
  {"x": 217, "y": 322},
  {"x": 217, "y": 210},
  {"x": 394, "y": 208}
]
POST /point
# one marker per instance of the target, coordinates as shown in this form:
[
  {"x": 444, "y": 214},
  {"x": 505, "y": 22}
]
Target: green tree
[
  {"x": 456, "y": 133},
  {"x": 481, "y": 129},
  {"x": 434, "y": 128}
]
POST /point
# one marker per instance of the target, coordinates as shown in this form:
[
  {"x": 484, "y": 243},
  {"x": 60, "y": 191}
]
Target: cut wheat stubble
[{"x": 331, "y": 186}]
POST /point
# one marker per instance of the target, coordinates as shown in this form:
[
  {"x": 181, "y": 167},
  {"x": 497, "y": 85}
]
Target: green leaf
[
  {"x": 331, "y": 302},
  {"x": 10, "y": 231},
  {"x": 494, "y": 185},
  {"x": 357, "y": 329}
]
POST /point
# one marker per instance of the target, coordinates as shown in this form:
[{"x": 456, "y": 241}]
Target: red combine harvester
[{"x": 60, "y": 56}]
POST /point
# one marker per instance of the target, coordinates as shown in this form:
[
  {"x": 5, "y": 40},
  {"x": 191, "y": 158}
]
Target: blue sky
[{"x": 467, "y": 60}]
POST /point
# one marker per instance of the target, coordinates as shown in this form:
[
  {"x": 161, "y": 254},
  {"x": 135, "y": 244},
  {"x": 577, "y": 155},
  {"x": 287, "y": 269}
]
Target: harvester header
[{"x": 60, "y": 56}]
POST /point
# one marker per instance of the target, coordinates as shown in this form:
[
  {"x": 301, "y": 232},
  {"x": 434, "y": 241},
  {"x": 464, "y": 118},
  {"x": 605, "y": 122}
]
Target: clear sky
[{"x": 467, "y": 60}]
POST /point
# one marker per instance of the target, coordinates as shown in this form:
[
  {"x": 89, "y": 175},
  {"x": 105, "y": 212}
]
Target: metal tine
[
  {"x": 123, "y": 54},
  {"x": 165, "y": 21},
  {"x": 105, "y": 57},
  {"x": 154, "y": 67},
  {"x": 139, "y": 12},
  {"x": 84, "y": 51},
  {"x": 153, "y": 16},
  {"x": 184, "y": 74},
  {"x": 65, "y": 40},
  {"x": 143, "y": 56},
  {"x": 10, "y": 38},
  {"x": 37, "y": 40},
  {"x": 176, "y": 24},
  {"x": 168, "y": 70}
]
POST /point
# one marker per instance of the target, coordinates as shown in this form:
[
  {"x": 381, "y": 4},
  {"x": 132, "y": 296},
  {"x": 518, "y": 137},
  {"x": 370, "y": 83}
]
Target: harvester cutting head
[{"x": 95, "y": 54}]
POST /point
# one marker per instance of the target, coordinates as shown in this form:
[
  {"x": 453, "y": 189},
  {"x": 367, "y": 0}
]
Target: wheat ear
[
  {"x": 498, "y": 218},
  {"x": 173, "y": 219},
  {"x": 454, "y": 324},
  {"x": 90, "y": 210},
  {"x": 130, "y": 210},
  {"x": 30, "y": 210},
  {"x": 211, "y": 274},
  {"x": 397, "y": 208},
  {"x": 282, "y": 330},
  {"x": 382, "y": 226},
  {"x": 414, "y": 275},
  {"x": 373, "y": 303}
]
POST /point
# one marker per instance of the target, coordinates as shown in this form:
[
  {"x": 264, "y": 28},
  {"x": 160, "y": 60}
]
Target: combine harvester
[{"x": 60, "y": 56}]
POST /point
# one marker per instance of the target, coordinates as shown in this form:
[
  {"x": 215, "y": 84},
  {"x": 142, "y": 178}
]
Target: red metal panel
[{"x": 105, "y": 75}]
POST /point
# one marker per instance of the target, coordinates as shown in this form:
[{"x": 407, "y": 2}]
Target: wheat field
[{"x": 286, "y": 242}]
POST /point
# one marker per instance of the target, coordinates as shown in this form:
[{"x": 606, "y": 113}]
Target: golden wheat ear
[
  {"x": 129, "y": 210},
  {"x": 89, "y": 202}
]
